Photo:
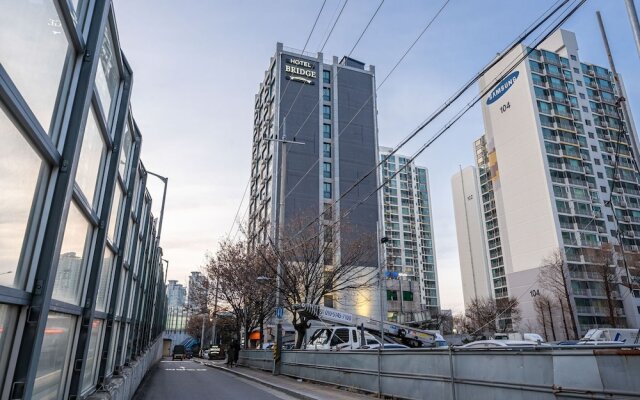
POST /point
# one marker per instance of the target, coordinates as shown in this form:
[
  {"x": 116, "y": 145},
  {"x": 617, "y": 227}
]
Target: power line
[
  {"x": 246, "y": 189},
  {"x": 302, "y": 86},
  {"x": 335, "y": 22},
  {"x": 447, "y": 104},
  {"x": 285, "y": 89},
  {"x": 342, "y": 129},
  {"x": 469, "y": 105}
]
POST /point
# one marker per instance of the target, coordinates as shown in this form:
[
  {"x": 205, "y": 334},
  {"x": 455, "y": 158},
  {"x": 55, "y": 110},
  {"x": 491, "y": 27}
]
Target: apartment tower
[
  {"x": 412, "y": 284},
  {"x": 556, "y": 170}
]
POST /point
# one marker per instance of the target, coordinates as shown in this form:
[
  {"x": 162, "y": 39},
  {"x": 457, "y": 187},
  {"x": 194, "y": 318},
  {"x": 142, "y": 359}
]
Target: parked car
[
  {"x": 563, "y": 343},
  {"x": 600, "y": 343},
  {"x": 387, "y": 346},
  {"x": 504, "y": 344},
  {"x": 188, "y": 353},
  {"x": 178, "y": 352}
]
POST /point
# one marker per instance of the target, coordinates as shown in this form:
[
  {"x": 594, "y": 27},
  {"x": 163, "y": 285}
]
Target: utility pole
[
  {"x": 635, "y": 25},
  {"x": 282, "y": 173},
  {"x": 625, "y": 119},
  {"x": 215, "y": 315}
]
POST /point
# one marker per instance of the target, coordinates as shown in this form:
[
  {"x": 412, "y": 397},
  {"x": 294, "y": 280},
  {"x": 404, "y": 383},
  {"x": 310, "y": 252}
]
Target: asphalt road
[{"x": 191, "y": 380}]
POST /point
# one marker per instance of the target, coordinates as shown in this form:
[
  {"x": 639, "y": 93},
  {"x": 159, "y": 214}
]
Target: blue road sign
[{"x": 279, "y": 312}]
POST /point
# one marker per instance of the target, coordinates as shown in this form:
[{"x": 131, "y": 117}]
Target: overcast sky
[{"x": 198, "y": 64}]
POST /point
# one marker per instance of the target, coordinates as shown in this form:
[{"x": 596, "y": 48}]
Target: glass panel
[
  {"x": 107, "y": 75},
  {"x": 91, "y": 155},
  {"x": 115, "y": 214},
  {"x": 20, "y": 170},
  {"x": 124, "y": 154},
  {"x": 8, "y": 318},
  {"x": 115, "y": 334},
  {"x": 54, "y": 357},
  {"x": 70, "y": 275},
  {"x": 34, "y": 49},
  {"x": 92, "y": 355},
  {"x": 102, "y": 298}
]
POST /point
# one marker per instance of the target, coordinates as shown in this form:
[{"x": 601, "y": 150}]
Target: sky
[{"x": 198, "y": 64}]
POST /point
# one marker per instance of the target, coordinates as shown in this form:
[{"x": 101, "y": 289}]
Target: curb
[{"x": 285, "y": 390}]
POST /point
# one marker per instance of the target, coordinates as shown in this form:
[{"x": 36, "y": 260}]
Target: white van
[
  {"x": 626, "y": 336},
  {"x": 338, "y": 338},
  {"x": 531, "y": 337}
]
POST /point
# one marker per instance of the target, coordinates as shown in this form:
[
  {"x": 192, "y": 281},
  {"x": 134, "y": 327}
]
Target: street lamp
[{"x": 165, "y": 180}]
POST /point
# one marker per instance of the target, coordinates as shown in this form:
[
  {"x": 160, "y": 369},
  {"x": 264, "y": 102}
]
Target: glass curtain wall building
[
  {"x": 410, "y": 251},
  {"x": 81, "y": 283},
  {"x": 329, "y": 109}
]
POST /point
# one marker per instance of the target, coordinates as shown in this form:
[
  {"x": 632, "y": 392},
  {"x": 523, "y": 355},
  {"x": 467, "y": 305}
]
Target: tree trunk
[
  {"x": 544, "y": 325},
  {"x": 301, "y": 330},
  {"x": 553, "y": 329},
  {"x": 564, "y": 319},
  {"x": 569, "y": 305},
  {"x": 607, "y": 292}
]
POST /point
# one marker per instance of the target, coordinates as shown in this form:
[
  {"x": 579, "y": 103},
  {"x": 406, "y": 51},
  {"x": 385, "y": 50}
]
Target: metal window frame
[
  {"x": 116, "y": 290},
  {"x": 40, "y": 302},
  {"x": 143, "y": 311}
]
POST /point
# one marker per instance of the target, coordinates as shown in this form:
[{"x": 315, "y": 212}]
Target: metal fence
[{"x": 468, "y": 374}]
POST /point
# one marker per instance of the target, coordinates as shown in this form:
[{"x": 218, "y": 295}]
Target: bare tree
[
  {"x": 235, "y": 270},
  {"x": 316, "y": 269},
  {"x": 603, "y": 260},
  {"x": 554, "y": 277},
  {"x": 543, "y": 305},
  {"x": 439, "y": 321},
  {"x": 483, "y": 315}
]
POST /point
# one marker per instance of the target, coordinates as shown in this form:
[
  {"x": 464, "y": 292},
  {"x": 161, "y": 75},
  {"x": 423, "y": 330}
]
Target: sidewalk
[{"x": 291, "y": 386}]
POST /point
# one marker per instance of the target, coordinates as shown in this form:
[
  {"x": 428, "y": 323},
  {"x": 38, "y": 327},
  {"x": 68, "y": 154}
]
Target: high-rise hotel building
[
  {"x": 412, "y": 284},
  {"x": 330, "y": 108},
  {"x": 555, "y": 152}
]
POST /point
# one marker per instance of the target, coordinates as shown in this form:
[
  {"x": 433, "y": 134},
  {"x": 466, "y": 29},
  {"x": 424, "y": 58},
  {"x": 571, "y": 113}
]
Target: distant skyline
[{"x": 197, "y": 67}]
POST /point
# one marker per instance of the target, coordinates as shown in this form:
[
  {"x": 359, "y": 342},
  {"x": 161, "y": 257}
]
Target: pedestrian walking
[
  {"x": 230, "y": 354},
  {"x": 234, "y": 352}
]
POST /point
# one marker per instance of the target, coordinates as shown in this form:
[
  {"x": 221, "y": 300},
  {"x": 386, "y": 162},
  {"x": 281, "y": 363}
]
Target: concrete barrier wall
[
  {"x": 468, "y": 374},
  {"x": 123, "y": 386}
]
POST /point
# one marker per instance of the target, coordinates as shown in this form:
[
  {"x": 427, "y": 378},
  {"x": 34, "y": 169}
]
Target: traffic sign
[{"x": 279, "y": 312}]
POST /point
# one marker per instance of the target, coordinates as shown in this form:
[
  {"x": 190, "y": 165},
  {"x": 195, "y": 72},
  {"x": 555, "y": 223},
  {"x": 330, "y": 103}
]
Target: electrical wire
[
  {"x": 342, "y": 130},
  {"x": 446, "y": 105}
]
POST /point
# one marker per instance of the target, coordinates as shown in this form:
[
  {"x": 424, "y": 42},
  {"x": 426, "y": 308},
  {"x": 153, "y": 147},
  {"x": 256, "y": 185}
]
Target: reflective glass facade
[{"x": 81, "y": 279}]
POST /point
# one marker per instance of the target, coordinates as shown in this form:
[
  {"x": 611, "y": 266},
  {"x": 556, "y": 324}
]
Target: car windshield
[{"x": 320, "y": 336}]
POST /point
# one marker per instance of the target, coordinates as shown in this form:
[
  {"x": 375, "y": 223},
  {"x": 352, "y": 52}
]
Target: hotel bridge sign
[{"x": 300, "y": 71}]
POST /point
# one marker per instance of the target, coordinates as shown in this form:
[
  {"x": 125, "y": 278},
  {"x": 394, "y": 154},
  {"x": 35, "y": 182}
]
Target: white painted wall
[{"x": 470, "y": 233}]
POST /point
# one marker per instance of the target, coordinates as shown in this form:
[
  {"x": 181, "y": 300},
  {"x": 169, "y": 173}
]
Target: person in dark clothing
[
  {"x": 234, "y": 352},
  {"x": 230, "y": 354}
]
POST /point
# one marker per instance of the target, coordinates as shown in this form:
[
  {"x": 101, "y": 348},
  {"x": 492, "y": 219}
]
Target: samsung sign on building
[
  {"x": 502, "y": 87},
  {"x": 300, "y": 70}
]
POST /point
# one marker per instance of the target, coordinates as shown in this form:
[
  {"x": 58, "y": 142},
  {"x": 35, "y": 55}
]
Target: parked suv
[{"x": 178, "y": 352}]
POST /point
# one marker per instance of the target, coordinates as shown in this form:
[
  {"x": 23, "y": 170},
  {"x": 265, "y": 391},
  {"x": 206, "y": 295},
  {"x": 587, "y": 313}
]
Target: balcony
[{"x": 558, "y": 86}]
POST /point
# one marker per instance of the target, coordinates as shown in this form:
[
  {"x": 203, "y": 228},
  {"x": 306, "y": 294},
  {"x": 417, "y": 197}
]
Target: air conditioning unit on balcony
[
  {"x": 634, "y": 248},
  {"x": 631, "y": 233},
  {"x": 606, "y": 137},
  {"x": 618, "y": 190},
  {"x": 591, "y": 185},
  {"x": 627, "y": 218},
  {"x": 623, "y": 204},
  {"x": 601, "y": 229},
  {"x": 610, "y": 149}
]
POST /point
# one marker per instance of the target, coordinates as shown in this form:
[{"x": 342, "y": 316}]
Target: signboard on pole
[{"x": 279, "y": 313}]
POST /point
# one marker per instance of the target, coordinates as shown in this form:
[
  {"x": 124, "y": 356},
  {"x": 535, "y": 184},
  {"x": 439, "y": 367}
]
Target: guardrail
[{"x": 538, "y": 373}]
